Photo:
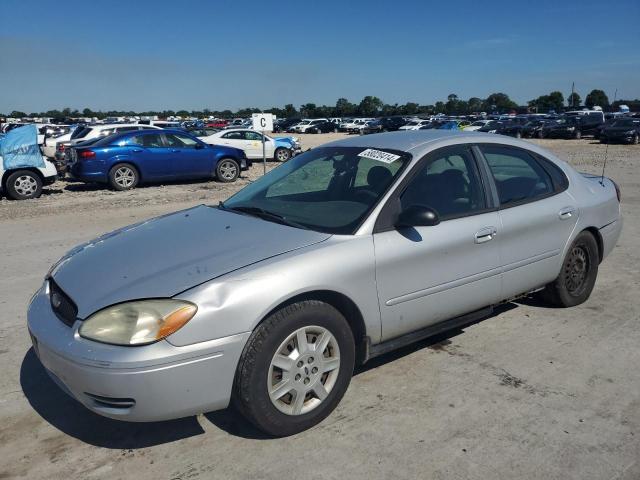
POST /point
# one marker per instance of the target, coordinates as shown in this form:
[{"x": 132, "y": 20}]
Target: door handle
[
  {"x": 485, "y": 235},
  {"x": 137, "y": 150},
  {"x": 175, "y": 150},
  {"x": 566, "y": 213}
]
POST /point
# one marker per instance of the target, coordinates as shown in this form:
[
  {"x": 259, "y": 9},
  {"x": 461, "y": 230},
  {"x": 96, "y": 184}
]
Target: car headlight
[
  {"x": 139, "y": 322},
  {"x": 570, "y": 129}
]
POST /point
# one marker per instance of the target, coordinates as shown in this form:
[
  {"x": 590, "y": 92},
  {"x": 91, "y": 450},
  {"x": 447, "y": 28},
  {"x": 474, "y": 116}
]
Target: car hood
[{"x": 166, "y": 255}]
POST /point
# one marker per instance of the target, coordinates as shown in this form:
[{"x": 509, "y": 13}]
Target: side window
[
  {"x": 449, "y": 183},
  {"x": 126, "y": 129},
  {"x": 518, "y": 176},
  {"x": 559, "y": 179},
  {"x": 253, "y": 136},
  {"x": 234, "y": 136},
  {"x": 181, "y": 141},
  {"x": 148, "y": 140}
]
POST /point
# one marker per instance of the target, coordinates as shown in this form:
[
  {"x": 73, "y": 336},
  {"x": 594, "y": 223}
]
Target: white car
[
  {"x": 24, "y": 183},
  {"x": 477, "y": 125},
  {"x": 357, "y": 125},
  {"x": 306, "y": 123},
  {"x": 415, "y": 125},
  {"x": 250, "y": 141},
  {"x": 50, "y": 143}
]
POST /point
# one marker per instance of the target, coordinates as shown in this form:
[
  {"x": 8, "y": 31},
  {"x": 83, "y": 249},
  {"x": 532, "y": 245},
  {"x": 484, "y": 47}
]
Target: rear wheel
[
  {"x": 578, "y": 275},
  {"x": 518, "y": 134},
  {"x": 577, "y": 135},
  {"x": 23, "y": 184},
  {"x": 123, "y": 176},
  {"x": 227, "y": 170},
  {"x": 540, "y": 134},
  {"x": 635, "y": 139},
  {"x": 295, "y": 368}
]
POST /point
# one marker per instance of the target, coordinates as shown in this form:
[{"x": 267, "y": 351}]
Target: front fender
[{"x": 239, "y": 301}]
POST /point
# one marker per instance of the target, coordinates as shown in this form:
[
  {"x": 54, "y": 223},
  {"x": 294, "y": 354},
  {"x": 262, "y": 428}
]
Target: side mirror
[{"x": 418, "y": 216}]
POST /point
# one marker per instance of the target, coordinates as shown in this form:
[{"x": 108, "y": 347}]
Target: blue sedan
[{"x": 124, "y": 160}]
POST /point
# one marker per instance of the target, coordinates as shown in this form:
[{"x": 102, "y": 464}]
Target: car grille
[{"x": 62, "y": 305}]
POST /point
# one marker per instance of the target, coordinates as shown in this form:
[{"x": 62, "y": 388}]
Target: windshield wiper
[{"x": 264, "y": 214}]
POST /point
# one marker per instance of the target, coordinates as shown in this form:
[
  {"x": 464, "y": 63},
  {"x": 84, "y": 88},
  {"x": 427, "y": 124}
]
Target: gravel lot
[{"x": 530, "y": 392}]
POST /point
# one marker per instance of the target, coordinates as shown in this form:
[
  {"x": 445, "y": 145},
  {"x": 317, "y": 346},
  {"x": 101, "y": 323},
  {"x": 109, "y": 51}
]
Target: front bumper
[{"x": 140, "y": 384}]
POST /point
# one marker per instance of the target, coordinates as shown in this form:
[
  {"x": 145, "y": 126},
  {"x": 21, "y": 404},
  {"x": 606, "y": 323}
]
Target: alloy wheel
[
  {"x": 228, "y": 170},
  {"x": 124, "y": 177},
  {"x": 303, "y": 370}
]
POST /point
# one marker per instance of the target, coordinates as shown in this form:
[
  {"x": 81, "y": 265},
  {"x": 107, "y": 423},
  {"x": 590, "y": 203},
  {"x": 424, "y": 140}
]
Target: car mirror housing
[{"x": 417, "y": 216}]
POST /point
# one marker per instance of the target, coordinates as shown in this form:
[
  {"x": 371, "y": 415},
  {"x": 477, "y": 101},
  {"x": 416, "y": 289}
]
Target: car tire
[
  {"x": 577, "y": 277},
  {"x": 123, "y": 176},
  {"x": 540, "y": 134},
  {"x": 577, "y": 135},
  {"x": 227, "y": 170},
  {"x": 518, "y": 134},
  {"x": 282, "y": 154},
  {"x": 23, "y": 184},
  {"x": 263, "y": 366},
  {"x": 635, "y": 140},
  {"x": 335, "y": 130}
]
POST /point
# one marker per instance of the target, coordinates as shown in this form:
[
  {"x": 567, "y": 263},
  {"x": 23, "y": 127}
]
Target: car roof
[{"x": 419, "y": 142}]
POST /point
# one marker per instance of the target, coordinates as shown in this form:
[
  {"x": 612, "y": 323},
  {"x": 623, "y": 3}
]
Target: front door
[
  {"x": 189, "y": 158},
  {"x": 429, "y": 274}
]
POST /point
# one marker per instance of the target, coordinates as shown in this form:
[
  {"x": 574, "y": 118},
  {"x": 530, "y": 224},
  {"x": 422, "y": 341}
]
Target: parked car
[
  {"x": 282, "y": 125},
  {"x": 23, "y": 168},
  {"x": 203, "y": 132},
  {"x": 322, "y": 127},
  {"x": 91, "y": 132},
  {"x": 124, "y": 160},
  {"x": 391, "y": 124},
  {"x": 624, "y": 130},
  {"x": 357, "y": 125},
  {"x": 533, "y": 128},
  {"x": 414, "y": 124},
  {"x": 374, "y": 126},
  {"x": 348, "y": 251},
  {"x": 477, "y": 125},
  {"x": 305, "y": 124},
  {"x": 573, "y": 126},
  {"x": 280, "y": 149},
  {"x": 50, "y": 144}
]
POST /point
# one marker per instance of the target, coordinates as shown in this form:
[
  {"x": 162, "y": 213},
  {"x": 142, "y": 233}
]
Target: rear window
[{"x": 81, "y": 132}]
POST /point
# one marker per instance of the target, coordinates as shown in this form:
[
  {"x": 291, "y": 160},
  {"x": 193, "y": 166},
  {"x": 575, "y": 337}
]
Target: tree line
[{"x": 371, "y": 106}]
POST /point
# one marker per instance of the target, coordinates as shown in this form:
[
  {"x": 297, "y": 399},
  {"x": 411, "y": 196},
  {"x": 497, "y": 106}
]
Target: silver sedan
[{"x": 348, "y": 251}]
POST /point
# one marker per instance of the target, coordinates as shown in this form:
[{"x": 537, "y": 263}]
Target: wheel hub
[{"x": 303, "y": 370}]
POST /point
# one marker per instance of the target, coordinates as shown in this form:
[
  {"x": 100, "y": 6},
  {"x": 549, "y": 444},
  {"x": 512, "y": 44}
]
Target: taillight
[
  {"x": 87, "y": 154},
  {"x": 60, "y": 147}
]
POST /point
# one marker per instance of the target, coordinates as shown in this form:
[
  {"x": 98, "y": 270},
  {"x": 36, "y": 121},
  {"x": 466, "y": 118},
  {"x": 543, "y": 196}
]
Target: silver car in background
[{"x": 343, "y": 253}]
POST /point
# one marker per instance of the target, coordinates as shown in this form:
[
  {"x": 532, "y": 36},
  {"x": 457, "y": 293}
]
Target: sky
[{"x": 195, "y": 54}]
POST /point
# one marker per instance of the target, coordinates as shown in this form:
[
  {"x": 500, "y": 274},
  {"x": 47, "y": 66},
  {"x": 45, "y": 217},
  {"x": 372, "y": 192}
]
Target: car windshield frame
[{"x": 339, "y": 206}]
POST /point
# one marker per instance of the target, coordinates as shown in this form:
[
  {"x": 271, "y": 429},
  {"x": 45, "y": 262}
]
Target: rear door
[
  {"x": 537, "y": 216},
  {"x": 428, "y": 274}
]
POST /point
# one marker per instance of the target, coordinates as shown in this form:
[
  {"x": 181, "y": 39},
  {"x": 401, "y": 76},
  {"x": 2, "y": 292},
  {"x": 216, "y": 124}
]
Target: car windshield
[{"x": 328, "y": 189}]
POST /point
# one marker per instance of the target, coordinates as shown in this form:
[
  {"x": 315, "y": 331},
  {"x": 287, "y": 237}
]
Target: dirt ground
[{"x": 530, "y": 392}]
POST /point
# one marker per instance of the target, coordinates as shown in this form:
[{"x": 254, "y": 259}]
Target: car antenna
[{"x": 606, "y": 149}]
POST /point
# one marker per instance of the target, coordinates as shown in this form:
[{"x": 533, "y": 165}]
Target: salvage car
[
  {"x": 124, "y": 160},
  {"x": 623, "y": 130},
  {"x": 348, "y": 251},
  {"x": 323, "y": 127},
  {"x": 279, "y": 149}
]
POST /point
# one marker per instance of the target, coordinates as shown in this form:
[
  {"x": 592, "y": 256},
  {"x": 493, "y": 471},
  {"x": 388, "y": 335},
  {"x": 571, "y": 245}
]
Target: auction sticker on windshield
[{"x": 379, "y": 155}]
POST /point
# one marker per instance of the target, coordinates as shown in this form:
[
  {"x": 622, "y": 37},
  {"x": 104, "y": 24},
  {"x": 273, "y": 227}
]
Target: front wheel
[
  {"x": 23, "y": 184},
  {"x": 227, "y": 170},
  {"x": 123, "y": 176},
  {"x": 295, "y": 368},
  {"x": 282, "y": 154},
  {"x": 578, "y": 275}
]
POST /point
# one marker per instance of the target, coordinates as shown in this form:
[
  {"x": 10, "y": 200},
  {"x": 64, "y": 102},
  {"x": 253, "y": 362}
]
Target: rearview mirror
[{"x": 418, "y": 216}]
